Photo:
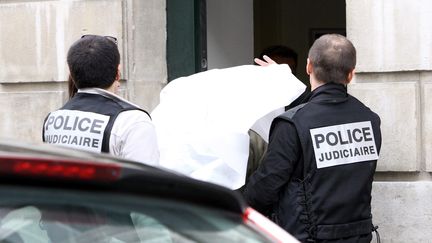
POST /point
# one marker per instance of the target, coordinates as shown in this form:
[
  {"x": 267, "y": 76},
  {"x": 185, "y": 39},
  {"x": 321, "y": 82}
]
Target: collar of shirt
[
  {"x": 329, "y": 92},
  {"x": 105, "y": 93}
]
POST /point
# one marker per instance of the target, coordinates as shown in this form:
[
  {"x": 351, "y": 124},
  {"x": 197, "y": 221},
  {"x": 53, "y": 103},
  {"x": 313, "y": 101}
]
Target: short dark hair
[
  {"x": 93, "y": 62},
  {"x": 332, "y": 57},
  {"x": 280, "y": 51}
]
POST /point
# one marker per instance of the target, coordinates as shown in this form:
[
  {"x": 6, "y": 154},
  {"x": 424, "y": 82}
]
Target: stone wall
[
  {"x": 394, "y": 78},
  {"x": 36, "y": 35}
]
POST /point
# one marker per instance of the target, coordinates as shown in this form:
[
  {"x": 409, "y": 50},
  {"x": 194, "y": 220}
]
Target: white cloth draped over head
[{"x": 203, "y": 119}]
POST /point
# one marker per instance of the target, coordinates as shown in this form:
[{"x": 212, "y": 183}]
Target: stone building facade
[
  {"x": 394, "y": 78},
  {"x": 34, "y": 40}
]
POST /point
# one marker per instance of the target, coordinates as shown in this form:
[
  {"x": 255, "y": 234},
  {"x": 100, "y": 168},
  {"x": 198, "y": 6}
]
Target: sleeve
[
  {"x": 140, "y": 144},
  {"x": 133, "y": 137},
  {"x": 264, "y": 186},
  {"x": 257, "y": 149}
]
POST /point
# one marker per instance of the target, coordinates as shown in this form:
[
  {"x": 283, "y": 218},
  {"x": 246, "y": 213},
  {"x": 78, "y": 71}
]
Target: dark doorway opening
[{"x": 293, "y": 23}]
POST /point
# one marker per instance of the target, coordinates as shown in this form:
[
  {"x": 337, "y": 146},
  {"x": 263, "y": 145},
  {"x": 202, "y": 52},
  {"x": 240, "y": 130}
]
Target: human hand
[{"x": 264, "y": 63}]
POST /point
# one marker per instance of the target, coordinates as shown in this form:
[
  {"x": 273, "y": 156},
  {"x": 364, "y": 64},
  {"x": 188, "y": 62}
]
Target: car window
[{"x": 47, "y": 215}]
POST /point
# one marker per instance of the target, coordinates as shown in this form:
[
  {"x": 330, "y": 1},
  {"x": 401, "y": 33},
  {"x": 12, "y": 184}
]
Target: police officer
[
  {"x": 316, "y": 178},
  {"x": 95, "y": 118}
]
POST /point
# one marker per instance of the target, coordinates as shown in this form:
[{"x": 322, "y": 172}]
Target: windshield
[{"x": 41, "y": 215}]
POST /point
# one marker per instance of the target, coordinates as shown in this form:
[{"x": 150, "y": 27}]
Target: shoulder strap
[
  {"x": 43, "y": 127},
  {"x": 288, "y": 115},
  {"x": 291, "y": 112}
]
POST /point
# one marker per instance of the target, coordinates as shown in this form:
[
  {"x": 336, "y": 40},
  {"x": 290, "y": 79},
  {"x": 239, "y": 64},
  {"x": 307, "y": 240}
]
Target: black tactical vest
[
  {"x": 329, "y": 195},
  {"x": 85, "y": 122}
]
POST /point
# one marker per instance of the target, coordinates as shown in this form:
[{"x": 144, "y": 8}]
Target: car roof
[{"x": 136, "y": 178}]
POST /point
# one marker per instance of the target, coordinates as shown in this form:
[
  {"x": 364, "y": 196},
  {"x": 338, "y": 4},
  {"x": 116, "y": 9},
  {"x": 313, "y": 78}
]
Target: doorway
[
  {"x": 296, "y": 24},
  {"x": 207, "y": 34}
]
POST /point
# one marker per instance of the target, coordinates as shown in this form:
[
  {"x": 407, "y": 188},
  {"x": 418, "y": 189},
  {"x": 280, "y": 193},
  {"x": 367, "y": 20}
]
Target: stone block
[
  {"x": 39, "y": 34},
  {"x": 147, "y": 47},
  {"x": 402, "y": 211},
  {"x": 397, "y": 105},
  {"x": 146, "y": 95},
  {"x": 23, "y": 113},
  {"x": 427, "y": 123},
  {"x": 391, "y": 35}
]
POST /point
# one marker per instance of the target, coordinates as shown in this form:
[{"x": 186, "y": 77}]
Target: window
[{"x": 32, "y": 216}]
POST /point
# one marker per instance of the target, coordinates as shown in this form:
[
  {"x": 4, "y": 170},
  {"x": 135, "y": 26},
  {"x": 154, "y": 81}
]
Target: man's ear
[
  {"x": 118, "y": 75},
  {"x": 309, "y": 67},
  {"x": 350, "y": 76}
]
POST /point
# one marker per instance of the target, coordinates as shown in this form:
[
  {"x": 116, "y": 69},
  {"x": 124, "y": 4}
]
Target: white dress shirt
[{"x": 133, "y": 134}]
